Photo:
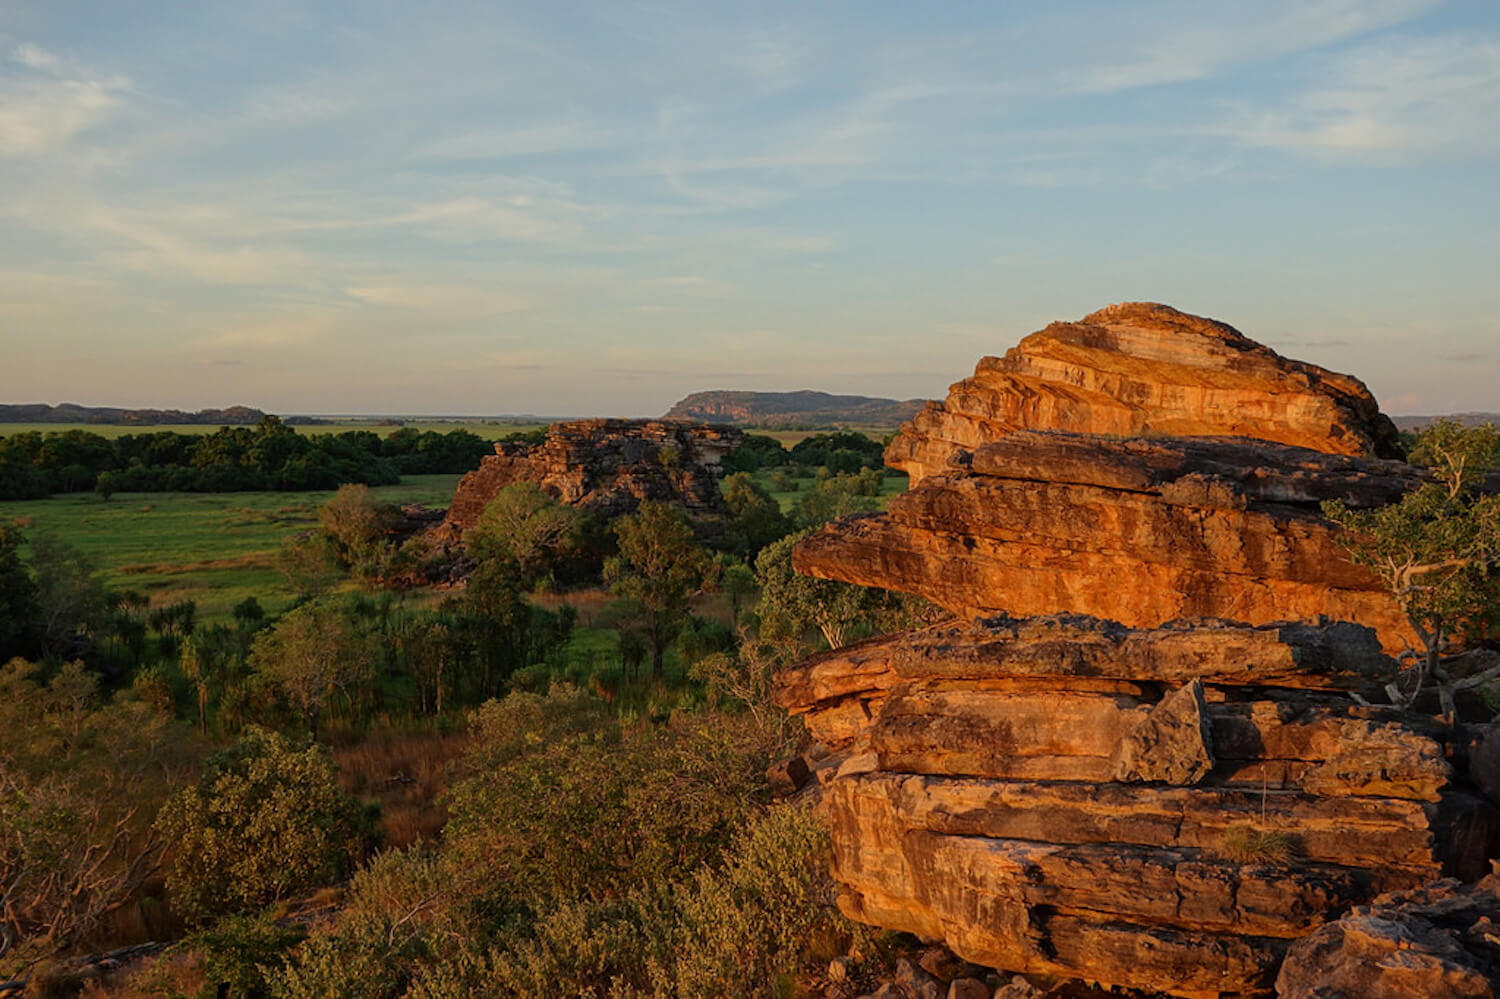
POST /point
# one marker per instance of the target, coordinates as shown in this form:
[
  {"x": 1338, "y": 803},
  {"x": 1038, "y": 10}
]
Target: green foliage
[
  {"x": 1438, "y": 549},
  {"x": 80, "y": 778},
  {"x": 312, "y": 654},
  {"x": 741, "y": 926},
  {"x": 357, "y": 524},
  {"x": 586, "y": 812},
  {"x": 19, "y": 610},
  {"x": 757, "y": 452},
  {"x": 270, "y": 455},
  {"x": 238, "y": 952},
  {"x": 264, "y": 820},
  {"x": 71, "y": 601},
  {"x": 522, "y": 531},
  {"x": 844, "y": 451},
  {"x": 659, "y": 568},
  {"x": 792, "y": 604},
  {"x": 755, "y": 520},
  {"x": 835, "y": 496},
  {"x": 310, "y": 562},
  {"x": 586, "y": 858}
]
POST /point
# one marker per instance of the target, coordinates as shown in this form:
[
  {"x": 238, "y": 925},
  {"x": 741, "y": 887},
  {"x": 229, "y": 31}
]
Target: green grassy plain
[
  {"x": 893, "y": 484},
  {"x": 791, "y": 438},
  {"x": 213, "y": 548}
]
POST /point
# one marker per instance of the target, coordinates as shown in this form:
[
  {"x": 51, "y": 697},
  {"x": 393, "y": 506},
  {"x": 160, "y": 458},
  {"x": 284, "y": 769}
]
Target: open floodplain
[{"x": 215, "y": 549}]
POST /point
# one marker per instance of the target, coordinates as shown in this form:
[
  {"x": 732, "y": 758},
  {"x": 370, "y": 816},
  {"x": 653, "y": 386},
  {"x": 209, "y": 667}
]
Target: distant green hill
[
  {"x": 68, "y": 412},
  {"x": 1467, "y": 419},
  {"x": 786, "y": 409}
]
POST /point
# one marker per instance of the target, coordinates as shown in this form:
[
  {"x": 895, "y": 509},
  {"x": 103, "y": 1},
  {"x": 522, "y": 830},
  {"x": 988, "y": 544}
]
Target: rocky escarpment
[
  {"x": 606, "y": 466},
  {"x": 800, "y": 408},
  {"x": 1161, "y": 809},
  {"x": 1026, "y": 500},
  {"x": 1146, "y": 754}
]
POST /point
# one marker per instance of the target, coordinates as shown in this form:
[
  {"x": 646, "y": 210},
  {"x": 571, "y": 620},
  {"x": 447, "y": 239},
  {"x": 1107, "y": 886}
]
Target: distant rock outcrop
[
  {"x": 804, "y": 408},
  {"x": 605, "y": 466},
  {"x": 1145, "y": 756}
]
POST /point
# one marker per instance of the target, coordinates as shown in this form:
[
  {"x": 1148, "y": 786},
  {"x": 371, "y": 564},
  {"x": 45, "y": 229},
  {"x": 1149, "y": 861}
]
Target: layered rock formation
[
  {"x": 1162, "y": 767},
  {"x": 1439, "y": 942},
  {"x": 1144, "y": 370},
  {"x": 1160, "y": 809},
  {"x": 606, "y": 466},
  {"x": 1025, "y": 501}
]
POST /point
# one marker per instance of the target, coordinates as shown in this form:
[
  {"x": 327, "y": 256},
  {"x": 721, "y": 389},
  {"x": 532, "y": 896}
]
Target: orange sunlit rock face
[
  {"x": 1141, "y": 466},
  {"x": 1134, "y": 759}
]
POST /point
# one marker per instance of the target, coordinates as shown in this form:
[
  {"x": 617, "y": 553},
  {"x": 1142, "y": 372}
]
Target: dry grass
[
  {"x": 404, "y": 772},
  {"x": 1249, "y": 845},
  {"x": 174, "y": 973}
]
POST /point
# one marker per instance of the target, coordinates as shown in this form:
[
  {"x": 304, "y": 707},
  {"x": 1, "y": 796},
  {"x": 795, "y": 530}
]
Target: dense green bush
[
  {"x": 587, "y": 858},
  {"x": 264, "y": 820}
]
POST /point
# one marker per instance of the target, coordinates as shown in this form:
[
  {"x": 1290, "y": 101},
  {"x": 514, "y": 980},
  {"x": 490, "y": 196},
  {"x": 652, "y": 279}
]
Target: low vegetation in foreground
[{"x": 552, "y": 780}]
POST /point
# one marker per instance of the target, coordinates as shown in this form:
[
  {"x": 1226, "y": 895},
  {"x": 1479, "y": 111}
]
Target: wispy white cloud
[
  {"x": 51, "y": 102},
  {"x": 1430, "y": 95},
  {"x": 504, "y": 143},
  {"x": 442, "y": 298},
  {"x": 1170, "y": 41}
]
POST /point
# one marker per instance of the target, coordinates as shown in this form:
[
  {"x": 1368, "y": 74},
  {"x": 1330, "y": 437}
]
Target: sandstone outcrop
[
  {"x": 1439, "y": 942},
  {"x": 1144, "y": 370},
  {"x": 1163, "y": 809},
  {"x": 1146, "y": 753},
  {"x": 1026, "y": 499},
  {"x": 606, "y": 466}
]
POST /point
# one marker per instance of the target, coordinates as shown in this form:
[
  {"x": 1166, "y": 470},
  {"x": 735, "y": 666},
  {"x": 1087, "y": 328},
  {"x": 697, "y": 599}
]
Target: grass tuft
[{"x": 1249, "y": 845}]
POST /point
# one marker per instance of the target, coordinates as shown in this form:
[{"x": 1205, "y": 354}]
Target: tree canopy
[{"x": 1438, "y": 551}]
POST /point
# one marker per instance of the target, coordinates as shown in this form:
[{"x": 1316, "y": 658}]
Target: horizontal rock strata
[
  {"x": 1440, "y": 941},
  {"x": 1141, "y": 369},
  {"x": 1161, "y": 809},
  {"x": 606, "y": 466},
  {"x": 1139, "y": 531}
]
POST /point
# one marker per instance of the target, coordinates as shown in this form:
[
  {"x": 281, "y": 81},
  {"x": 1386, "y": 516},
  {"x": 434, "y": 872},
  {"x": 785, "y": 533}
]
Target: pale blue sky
[{"x": 574, "y": 208}]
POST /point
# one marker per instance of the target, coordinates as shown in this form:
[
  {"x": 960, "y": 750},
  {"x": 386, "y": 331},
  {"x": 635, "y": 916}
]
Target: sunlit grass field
[
  {"x": 894, "y": 484},
  {"x": 212, "y": 548},
  {"x": 218, "y": 548}
]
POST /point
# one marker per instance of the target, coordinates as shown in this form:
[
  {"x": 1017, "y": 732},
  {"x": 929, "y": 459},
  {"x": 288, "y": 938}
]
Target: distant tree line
[
  {"x": 270, "y": 455},
  {"x": 842, "y": 451}
]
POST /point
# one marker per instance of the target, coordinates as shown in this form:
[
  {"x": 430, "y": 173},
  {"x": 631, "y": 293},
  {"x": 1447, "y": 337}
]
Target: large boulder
[
  {"x": 1163, "y": 809},
  {"x": 1438, "y": 942},
  {"x": 1139, "y": 369},
  {"x": 1142, "y": 465}
]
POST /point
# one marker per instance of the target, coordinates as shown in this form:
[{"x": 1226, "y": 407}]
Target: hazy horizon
[{"x": 587, "y": 209}]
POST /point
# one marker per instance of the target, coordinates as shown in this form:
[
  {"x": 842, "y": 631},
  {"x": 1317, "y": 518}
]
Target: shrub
[
  {"x": 237, "y": 953},
  {"x": 265, "y": 820}
]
